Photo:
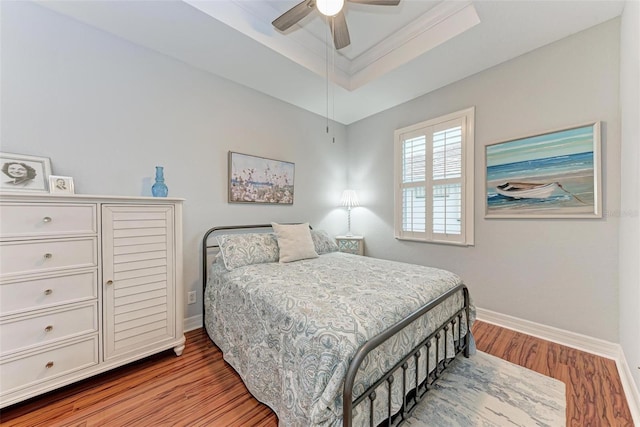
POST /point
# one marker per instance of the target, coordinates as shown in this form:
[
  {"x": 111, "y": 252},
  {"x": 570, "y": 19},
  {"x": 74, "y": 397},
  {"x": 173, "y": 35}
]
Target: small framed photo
[
  {"x": 61, "y": 184},
  {"x": 24, "y": 173}
]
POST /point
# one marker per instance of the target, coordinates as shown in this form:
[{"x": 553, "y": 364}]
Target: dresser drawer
[
  {"x": 46, "y": 255},
  {"x": 53, "y": 363},
  {"x": 45, "y": 292},
  {"x": 47, "y": 328},
  {"x": 46, "y": 220}
]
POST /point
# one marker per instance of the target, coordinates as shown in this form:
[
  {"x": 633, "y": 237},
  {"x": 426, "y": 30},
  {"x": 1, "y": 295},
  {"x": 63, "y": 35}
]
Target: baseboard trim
[
  {"x": 570, "y": 339},
  {"x": 191, "y": 323},
  {"x": 574, "y": 340},
  {"x": 630, "y": 388}
]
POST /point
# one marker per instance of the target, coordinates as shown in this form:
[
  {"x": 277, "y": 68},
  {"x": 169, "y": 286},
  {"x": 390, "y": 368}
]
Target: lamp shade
[
  {"x": 329, "y": 7},
  {"x": 349, "y": 199}
]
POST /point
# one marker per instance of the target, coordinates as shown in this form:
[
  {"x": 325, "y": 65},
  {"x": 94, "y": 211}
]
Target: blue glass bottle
[{"x": 159, "y": 189}]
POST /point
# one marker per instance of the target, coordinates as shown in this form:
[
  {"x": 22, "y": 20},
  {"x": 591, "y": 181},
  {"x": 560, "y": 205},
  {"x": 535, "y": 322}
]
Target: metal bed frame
[{"x": 411, "y": 398}]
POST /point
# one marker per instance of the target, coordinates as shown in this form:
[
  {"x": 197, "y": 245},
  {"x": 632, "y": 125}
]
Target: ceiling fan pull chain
[
  {"x": 326, "y": 43},
  {"x": 333, "y": 93}
]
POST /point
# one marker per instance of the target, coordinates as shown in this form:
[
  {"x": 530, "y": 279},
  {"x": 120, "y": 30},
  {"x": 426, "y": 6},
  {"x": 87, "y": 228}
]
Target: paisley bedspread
[{"x": 290, "y": 330}]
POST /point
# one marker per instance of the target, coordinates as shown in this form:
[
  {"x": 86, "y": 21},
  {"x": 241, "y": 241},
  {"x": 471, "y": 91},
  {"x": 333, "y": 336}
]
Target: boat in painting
[{"x": 526, "y": 190}]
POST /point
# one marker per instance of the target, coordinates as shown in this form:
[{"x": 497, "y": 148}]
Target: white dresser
[{"x": 87, "y": 283}]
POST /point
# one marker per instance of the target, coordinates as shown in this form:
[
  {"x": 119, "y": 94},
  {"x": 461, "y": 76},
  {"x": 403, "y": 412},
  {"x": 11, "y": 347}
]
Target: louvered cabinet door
[{"x": 139, "y": 283}]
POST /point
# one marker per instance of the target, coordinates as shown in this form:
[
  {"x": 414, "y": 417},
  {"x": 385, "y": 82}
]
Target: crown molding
[
  {"x": 442, "y": 23},
  {"x": 439, "y": 24}
]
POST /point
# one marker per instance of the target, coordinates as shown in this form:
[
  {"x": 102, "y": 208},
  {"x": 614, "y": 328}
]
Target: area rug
[{"x": 484, "y": 390}]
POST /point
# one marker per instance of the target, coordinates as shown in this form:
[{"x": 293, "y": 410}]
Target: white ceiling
[{"x": 396, "y": 54}]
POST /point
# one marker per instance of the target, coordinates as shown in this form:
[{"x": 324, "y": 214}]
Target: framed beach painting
[
  {"x": 255, "y": 179},
  {"x": 551, "y": 175}
]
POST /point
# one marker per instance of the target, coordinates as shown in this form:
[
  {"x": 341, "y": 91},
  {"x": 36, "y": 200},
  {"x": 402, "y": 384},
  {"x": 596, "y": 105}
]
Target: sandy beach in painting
[{"x": 578, "y": 197}]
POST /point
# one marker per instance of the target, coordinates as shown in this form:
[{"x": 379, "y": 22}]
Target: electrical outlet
[{"x": 191, "y": 297}]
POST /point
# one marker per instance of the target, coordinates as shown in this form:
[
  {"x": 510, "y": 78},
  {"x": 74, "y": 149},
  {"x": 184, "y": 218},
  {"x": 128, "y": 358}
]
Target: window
[{"x": 434, "y": 180}]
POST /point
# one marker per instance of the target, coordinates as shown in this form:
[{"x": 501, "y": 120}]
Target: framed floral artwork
[{"x": 255, "y": 179}]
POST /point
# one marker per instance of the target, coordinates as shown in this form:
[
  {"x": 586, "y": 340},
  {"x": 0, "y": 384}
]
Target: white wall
[
  {"x": 630, "y": 185},
  {"x": 562, "y": 273},
  {"x": 107, "y": 111}
]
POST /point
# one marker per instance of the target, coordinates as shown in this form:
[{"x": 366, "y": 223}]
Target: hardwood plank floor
[
  {"x": 200, "y": 389},
  {"x": 594, "y": 392}
]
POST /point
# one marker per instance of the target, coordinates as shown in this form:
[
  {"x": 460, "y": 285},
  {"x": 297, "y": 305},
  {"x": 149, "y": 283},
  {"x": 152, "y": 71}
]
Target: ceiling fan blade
[
  {"x": 340, "y": 31},
  {"x": 293, "y": 15},
  {"x": 377, "y": 2}
]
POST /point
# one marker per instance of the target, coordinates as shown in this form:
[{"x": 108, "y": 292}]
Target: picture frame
[
  {"x": 259, "y": 180},
  {"x": 555, "y": 174},
  {"x": 61, "y": 184},
  {"x": 22, "y": 173}
]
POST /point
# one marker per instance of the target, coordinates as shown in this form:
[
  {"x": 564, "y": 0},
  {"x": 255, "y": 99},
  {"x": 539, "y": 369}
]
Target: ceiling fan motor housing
[{"x": 331, "y": 8}]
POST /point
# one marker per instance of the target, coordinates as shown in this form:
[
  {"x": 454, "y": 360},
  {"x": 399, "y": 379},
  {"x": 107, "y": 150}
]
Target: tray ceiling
[{"x": 396, "y": 54}]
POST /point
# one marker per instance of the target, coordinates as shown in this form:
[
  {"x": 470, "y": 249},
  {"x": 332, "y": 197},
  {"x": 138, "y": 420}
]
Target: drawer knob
[
  {"x": 49, "y": 365},
  {"x": 48, "y": 256},
  {"x": 109, "y": 282},
  {"x": 48, "y": 328},
  {"x": 48, "y": 291},
  {"x": 47, "y": 219}
]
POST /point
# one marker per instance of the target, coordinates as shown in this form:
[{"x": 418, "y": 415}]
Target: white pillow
[{"x": 294, "y": 241}]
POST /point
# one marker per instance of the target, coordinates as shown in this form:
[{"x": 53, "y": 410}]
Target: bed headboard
[{"x": 209, "y": 244}]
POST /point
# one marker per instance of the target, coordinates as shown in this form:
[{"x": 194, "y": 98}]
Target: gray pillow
[
  {"x": 239, "y": 250},
  {"x": 323, "y": 243}
]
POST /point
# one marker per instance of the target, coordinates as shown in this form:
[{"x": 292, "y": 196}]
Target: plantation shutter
[
  {"x": 431, "y": 180},
  {"x": 447, "y": 179},
  {"x": 413, "y": 183}
]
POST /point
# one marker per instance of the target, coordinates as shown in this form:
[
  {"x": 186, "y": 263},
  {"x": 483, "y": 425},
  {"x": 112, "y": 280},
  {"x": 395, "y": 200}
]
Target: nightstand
[{"x": 351, "y": 244}]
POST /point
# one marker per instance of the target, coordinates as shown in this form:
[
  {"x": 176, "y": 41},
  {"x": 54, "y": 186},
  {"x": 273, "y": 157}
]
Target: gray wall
[
  {"x": 107, "y": 111},
  {"x": 630, "y": 185},
  {"x": 562, "y": 273}
]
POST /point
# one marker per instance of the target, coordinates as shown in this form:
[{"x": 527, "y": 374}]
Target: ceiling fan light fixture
[{"x": 329, "y": 7}]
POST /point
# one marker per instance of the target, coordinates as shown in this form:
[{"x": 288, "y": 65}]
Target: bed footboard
[{"x": 410, "y": 398}]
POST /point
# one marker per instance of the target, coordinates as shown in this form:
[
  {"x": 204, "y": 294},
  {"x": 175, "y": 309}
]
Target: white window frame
[{"x": 427, "y": 128}]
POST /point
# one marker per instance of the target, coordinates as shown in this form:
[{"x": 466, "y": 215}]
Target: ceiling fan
[{"x": 330, "y": 8}]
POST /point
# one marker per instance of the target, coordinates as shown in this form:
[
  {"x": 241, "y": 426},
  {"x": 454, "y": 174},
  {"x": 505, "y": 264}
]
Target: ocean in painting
[{"x": 574, "y": 173}]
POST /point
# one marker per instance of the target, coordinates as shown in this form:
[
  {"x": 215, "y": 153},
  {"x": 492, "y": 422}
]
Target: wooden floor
[{"x": 199, "y": 388}]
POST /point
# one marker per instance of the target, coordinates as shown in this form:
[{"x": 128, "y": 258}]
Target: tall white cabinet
[{"x": 87, "y": 283}]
